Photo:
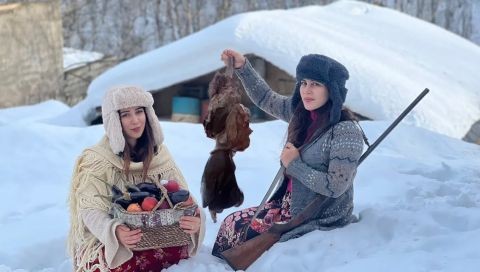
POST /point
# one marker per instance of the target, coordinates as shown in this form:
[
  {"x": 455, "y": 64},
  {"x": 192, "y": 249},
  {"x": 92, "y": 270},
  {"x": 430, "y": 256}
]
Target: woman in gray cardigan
[{"x": 323, "y": 147}]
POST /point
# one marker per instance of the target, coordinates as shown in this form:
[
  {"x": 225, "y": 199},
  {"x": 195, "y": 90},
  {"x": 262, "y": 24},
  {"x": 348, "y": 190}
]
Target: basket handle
[{"x": 164, "y": 196}]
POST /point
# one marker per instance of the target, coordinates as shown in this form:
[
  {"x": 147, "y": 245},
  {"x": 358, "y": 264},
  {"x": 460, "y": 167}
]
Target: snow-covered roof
[
  {"x": 74, "y": 58},
  {"x": 391, "y": 57}
]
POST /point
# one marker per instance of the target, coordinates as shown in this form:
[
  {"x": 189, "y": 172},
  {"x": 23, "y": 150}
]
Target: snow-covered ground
[
  {"x": 391, "y": 57},
  {"x": 418, "y": 195}
]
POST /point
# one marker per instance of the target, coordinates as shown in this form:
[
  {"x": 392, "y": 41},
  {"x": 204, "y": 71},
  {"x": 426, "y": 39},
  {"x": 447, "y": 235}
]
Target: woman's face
[
  {"x": 133, "y": 123},
  {"x": 314, "y": 94}
]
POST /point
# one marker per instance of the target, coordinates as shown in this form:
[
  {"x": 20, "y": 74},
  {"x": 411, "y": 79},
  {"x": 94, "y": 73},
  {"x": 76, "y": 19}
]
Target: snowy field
[{"x": 418, "y": 195}]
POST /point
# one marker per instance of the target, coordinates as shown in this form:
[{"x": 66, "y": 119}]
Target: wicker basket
[{"x": 160, "y": 228}]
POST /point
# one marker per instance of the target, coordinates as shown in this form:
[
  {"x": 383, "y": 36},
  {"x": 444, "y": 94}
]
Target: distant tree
[{"x": 129, "y": 27}]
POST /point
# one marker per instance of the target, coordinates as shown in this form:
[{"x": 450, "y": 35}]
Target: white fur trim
[{"x": 118, "y": 98}]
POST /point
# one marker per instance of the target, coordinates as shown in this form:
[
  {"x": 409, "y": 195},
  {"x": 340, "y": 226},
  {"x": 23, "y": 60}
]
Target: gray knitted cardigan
[{"x": 326, "y": 167}]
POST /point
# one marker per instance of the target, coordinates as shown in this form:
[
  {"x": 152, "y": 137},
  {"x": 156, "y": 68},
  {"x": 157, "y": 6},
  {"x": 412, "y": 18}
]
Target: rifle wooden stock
[{"x": 242, "y": 256}]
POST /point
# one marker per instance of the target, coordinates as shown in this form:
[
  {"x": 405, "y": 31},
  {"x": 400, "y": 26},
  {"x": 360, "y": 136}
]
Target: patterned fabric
[
  {"x": 232, "y": 230},
  {"x": 151, "y": 260}
]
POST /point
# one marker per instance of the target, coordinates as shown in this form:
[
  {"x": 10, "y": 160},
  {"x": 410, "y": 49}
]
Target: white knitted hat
[{"x": 125, "y": 97}]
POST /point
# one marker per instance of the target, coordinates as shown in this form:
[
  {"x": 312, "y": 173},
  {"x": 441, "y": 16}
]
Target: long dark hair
[
  {"x": 301, "y": 121},
  {"x": 142, "y": 152}
]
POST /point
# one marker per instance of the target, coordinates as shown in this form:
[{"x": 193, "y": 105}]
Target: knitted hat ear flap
[
  {"x": 337, "y": 102},
  {"x": 114, "y": 132},
  {"x": 123, "y": 97},
  {"x": 155, "y": 125},
  {"x": 327, "y": 71}
]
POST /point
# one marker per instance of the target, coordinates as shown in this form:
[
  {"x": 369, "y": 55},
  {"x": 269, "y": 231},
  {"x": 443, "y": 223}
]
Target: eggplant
[
  {"x": 123, "y": 202},
  {"x": 116, "y": 193},
  {"x": 138, "y": 197},
  {"x": 133, "y": 189},
  {"x": 129, "y": 198},
  {"x": 147, "y": 186},
  {"x": 179, "y": 196},
  {"x": 151, "y": 188}
]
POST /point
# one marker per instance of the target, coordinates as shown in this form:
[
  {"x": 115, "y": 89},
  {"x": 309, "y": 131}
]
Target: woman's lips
[{"x": 136, "y": 130}]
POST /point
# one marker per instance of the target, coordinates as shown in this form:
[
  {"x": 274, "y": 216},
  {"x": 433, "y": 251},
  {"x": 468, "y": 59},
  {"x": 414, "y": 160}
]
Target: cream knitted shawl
[{"x": 99, "y": 162}]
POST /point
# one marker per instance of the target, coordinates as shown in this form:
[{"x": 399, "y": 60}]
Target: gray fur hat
[
  {"x": 327, "y": 71},
  {"x": 125, "y": 97}
]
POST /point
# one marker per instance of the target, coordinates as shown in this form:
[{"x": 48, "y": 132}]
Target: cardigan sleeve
[
  {"x": 262, "y": 95},
  {"x": 345, "y": 151},
  {"x": 93, "y": 211}
]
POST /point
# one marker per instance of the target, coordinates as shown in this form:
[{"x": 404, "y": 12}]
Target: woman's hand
[
  {"x": 128, "y": 238},
  {"x": 238, "y": 59},
  {"x": 190, "y": 224},
  {"x": 289, "y": 153}
]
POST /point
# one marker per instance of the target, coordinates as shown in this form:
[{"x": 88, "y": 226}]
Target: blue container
[{"x": 186, "y": 105}]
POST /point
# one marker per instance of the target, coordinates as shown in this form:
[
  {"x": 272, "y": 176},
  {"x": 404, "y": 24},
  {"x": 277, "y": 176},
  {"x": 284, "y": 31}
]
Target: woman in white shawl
[{"x": 131, "y": 152}]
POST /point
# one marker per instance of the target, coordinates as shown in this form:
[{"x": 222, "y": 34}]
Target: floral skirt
[
  {"x": 232, "y": 230},
  {"x": 153, "y": 259}
]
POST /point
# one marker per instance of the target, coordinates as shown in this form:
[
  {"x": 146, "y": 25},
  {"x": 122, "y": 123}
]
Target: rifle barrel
[{"x": 393, "y": 125}]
